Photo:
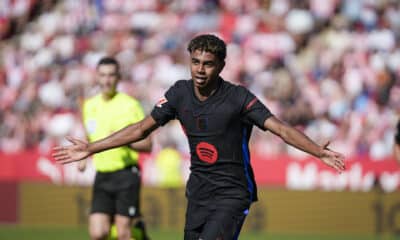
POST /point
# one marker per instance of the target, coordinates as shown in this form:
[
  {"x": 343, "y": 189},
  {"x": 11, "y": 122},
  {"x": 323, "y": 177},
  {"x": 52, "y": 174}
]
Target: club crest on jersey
[{"x": 161, "y": 101}]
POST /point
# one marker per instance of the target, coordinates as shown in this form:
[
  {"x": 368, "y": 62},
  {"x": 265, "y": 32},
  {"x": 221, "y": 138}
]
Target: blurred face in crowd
[
  {"x": 205, "y": 68},
  {"x": 108, "y": 76}
]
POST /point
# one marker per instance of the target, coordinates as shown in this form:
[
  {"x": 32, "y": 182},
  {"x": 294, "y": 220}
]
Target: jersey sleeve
[
  {"x": 253, "y": 111},
  {"x": 165, "y": 108}
]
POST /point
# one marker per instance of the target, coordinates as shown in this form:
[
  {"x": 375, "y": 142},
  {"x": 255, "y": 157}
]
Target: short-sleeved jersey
[
  {"x": 218, "y": 130},
  {"x": 102, "y": 118}
]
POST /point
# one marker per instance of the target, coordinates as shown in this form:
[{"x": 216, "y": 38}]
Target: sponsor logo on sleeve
[{"x": 161, "y": 101}]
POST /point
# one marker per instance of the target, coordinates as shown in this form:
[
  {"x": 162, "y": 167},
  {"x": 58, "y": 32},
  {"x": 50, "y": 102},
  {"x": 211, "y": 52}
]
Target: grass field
[{"x": 63, "y": 233}]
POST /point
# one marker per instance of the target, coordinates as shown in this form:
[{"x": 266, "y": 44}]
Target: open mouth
[{"x": 200, "y": 80}]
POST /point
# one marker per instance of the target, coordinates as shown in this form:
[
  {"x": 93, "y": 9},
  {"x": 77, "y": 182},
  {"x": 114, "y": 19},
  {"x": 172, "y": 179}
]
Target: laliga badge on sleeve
[{"x": 161, "y": 101}]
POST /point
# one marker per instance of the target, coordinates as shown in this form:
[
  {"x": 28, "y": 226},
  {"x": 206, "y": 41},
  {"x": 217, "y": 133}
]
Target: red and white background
[
  {"x": 362, "y": 173},
  {"x": 33, "y": 185}
]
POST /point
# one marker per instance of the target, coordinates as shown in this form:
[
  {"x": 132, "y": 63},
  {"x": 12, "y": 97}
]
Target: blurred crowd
[
  {"x": 329, "y": 67},
  {"x": 15, "y": 14}
]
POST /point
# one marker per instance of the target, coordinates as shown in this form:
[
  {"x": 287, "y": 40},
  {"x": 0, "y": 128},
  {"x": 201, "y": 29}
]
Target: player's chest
[{"x": 209, "y": 119}]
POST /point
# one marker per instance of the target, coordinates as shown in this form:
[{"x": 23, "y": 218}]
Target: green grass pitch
[{"x": 10, "y": 232}]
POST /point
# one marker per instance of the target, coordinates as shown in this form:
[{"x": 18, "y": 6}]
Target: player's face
[
  {"x": 205, "y": 68},
  {"x": 108, "y": 77}
]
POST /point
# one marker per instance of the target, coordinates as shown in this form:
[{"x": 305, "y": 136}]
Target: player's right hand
[{"x": 75, "y": 152}]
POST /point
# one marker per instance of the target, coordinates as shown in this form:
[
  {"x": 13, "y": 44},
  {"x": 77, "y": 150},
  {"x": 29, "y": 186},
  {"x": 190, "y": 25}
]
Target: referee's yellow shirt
[{"x": 102, "y": 118}]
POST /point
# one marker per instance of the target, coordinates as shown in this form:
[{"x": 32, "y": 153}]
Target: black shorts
[
  {"x": 222, "y": 222},
  {"x": 117, "y": 192}
]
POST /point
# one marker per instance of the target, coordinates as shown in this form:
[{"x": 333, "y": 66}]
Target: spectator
[{"x": 341, "y": 60}]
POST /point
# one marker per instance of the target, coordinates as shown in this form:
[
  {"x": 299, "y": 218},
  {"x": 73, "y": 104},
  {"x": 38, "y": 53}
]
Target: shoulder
[
  {"x": 92, "y": 101},
  {"x": 241, "y": 96},
  {"x": 181, "y": 84},
  {"x": 242, "y": 89},
  {"x": 125, "y": 99},
  {"x": 179, "y": 88},
  {"x": 238, "y": 90}
]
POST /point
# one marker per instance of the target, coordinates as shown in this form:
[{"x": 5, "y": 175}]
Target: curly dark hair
[{"x": 208, "y": 43}]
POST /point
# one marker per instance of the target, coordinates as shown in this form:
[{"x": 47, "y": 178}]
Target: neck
[
  {"x": 203, "y": 93},
  {"x": 108, "y": 96}
]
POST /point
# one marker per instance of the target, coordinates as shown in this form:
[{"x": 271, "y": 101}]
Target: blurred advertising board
[
  {"x": 362, "y": 173},
  {"x": 277, "y": 211},
  {"x": 8, "y": 201}
]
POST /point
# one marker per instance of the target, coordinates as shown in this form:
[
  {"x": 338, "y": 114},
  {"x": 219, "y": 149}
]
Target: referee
[{"x": 115, "y": 198}]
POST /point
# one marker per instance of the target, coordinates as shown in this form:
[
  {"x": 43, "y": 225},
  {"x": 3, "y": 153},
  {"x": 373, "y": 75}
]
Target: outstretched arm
[
  {"x": 80, "y": 149},
  {"x": 297, "y": 139},
  {"x": 396, "y": 150},
  {"x": 144, "y": 145}
]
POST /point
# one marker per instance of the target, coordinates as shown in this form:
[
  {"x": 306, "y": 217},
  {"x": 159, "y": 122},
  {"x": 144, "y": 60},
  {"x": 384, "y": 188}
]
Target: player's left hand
[{"x": 332, "y": 159}]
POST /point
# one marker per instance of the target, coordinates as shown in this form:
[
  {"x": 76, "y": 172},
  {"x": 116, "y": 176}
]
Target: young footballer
[{"x": 217, "y": 117}]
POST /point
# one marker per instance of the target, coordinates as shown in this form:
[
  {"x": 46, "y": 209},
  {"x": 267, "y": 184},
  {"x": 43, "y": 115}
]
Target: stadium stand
[{"x": 329, "y": 67}]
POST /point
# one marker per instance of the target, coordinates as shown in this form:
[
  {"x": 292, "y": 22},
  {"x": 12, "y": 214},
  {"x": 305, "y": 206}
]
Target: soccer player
[
  {"x": 115, "y": 198},
  {"x": 217, "y": 118}
]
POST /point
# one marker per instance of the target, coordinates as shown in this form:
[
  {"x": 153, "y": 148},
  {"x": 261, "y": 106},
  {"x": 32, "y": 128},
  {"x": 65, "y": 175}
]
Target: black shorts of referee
[{"x": 117, "y": 192}]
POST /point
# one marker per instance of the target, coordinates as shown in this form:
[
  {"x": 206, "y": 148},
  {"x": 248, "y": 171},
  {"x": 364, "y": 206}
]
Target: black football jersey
[{"x": 218, "y": 130}]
